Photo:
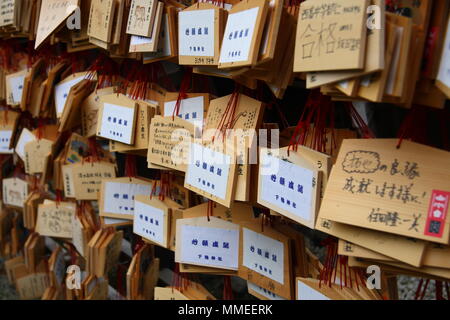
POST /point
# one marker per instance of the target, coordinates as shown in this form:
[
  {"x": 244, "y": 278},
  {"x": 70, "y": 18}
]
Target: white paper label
[
  {"x": 117, "y": 123},
  {"x": 196, "y": 33},
  {"x": 208, "y": 170},
  {"x": 288, "y": 188},
  {"x": 444, "y": 69},
  {"x": 305, "y": 292},
  {"x": 264, "y": 292},
  {"x": 191, "y": 110},
  {"x": 214, "y": 247},
  {"x": 163, "y": 43},
  {"x": 16, "y": 85},
  {"x": 119, "y": 197},
  {"x": 25, "y": 137},
  {"x": 149, "y": 222},
  {"x": 138, "y": 40},
  {"x": 5, "y": 140},
  {"x": 263, "y": 255},
  {"x": 238, "y": 36},
  {"x": 62, "y": 92}
]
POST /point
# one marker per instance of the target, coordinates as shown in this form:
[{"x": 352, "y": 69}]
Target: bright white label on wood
[
  {"x": 214, "y": 247},
  {"x": 5, "y": 139},
  {"x": 208, "y": 170},
  {"x": 119, "y": 197},
  {"x": 62, "y": 92},
  {"x": 263, "y": 255},
  {"x": 238, "y": 36},
  {"x": 117, "y": 123},
  {"x": 264, "y": 292},
  {"x": 289, "y": 187},
  {"x": 25, "y": 137},
  {"x": 305, "y": 292},
  {"x": 16, "y": 85},
  {"x": 163, "y": 42},
  {"x": 191, "y": 110},
  {"x": 149, "y": 222},
  {"x": 444, "y": 69},
  {"x": 196, "y": 33}
]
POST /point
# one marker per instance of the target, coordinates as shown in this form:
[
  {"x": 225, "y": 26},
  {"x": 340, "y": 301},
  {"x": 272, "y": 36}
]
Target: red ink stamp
[{"x": 437, "y": 212}]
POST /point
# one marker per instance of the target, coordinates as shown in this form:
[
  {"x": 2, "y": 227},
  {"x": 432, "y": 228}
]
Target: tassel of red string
[
  {"x": 185, "y": 84},
  {"x": 361, "y": 125},
  {"x": 210, "y": 209},
  {"x": 414, "y": 126},
  {"x": 326, "y": 274},
  {"x": 179, "y": 280},
  {"x": 165, "y": 186},
  {"x": 317, "y": 115},
  {"x": 421, "y": 289},
  {"x": 228, "y": 117},
  {"x": 227, "y": 289},
  {"x": 93, "y": 151},
  {"x": 130, "y": 166}
]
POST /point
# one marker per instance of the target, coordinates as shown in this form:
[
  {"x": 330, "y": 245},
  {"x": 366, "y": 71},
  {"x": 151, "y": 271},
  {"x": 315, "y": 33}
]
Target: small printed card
[
  {"x": 211, "y": 174},
  {"x": 117, "y": 199},
  {"x": 116, "y": 118},
  {"x": 213, "y": 243}
]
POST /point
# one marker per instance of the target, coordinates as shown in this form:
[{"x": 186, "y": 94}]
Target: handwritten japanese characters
[
  {"x": 55, "y": 220},
  {"x": 169, "y": 142},
  {"x": 52, "y": 14},
  {"x": 211, "y": 174},
  {"x": 288, "y": 185},
  {"x": 214, "y": 244},
  {"x": 331, "y": 35},
  {"x": 36, "y": 152},
  {"x": 89, "y": 111},
  {"x": 117, "y": 118},
  {"x": 87, "y": 179},
  {"x": 118, "y": 196},
  {"x": 8, "y": 8},
  {"x": 403, "y": 191},
  {"x": 15, "y": 192},
  {"x": 263, "y": 254},
  {"x": 101, "y": 19}
]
